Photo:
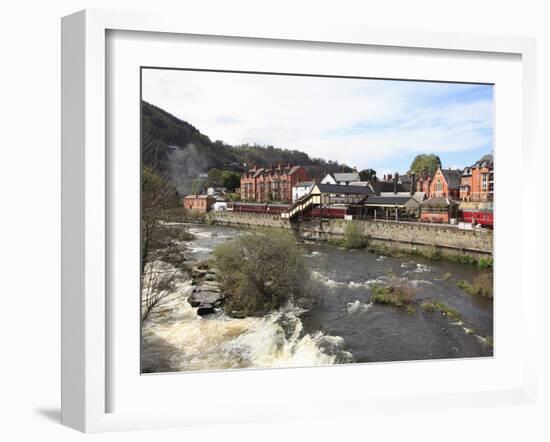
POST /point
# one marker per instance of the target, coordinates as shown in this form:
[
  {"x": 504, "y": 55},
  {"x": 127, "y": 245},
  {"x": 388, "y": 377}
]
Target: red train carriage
[
  {"x": 326, "y": 212},
  {"x": 257, "y": 208},
  {"x": 478, "y": 216}
]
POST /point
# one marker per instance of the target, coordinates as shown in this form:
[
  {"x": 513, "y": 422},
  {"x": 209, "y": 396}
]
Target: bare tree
[
  {"x": 157, "y": 283},
  {"x": 157, "y": 194}
]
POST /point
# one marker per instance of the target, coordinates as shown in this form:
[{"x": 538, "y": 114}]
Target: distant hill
[{"x": 180, "y": 152}]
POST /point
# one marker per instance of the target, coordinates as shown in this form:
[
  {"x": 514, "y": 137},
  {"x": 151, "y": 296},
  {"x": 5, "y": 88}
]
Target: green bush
[
  {"x": 397, "y": 293},
  {"x": 260, "y": 271},
  {"x": 482, "y": 285},
  {"x": 353, "y": 236},
  {"x": 485, "y": 262},
  {"x": 433, "y": 305}
]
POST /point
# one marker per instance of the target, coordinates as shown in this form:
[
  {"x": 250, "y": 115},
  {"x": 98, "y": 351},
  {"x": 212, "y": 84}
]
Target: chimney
[
  {"x": 395, "y": 182},
  {"x": 413, "y": 183}
]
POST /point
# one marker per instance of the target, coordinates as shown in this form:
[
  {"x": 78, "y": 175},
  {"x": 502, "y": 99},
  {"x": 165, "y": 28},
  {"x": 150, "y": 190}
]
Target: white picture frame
[{"x": 85, "y": 215}]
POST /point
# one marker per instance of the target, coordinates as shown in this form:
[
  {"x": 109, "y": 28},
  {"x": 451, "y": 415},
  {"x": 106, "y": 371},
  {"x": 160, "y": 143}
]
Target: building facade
[
  {"x": 199, "y": 203},
  {"x": 476, "y": 182},
  {"x": 273, "y": 183},
  {"x": 445, "y": 183},
  {"x": 302, "y": 189}
]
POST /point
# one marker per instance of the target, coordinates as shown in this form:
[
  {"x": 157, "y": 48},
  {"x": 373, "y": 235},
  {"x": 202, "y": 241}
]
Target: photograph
[{"x": 298, "y": 220}]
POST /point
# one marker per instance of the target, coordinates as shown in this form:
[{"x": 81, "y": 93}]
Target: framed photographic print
[{"x": 251, "y": 213}]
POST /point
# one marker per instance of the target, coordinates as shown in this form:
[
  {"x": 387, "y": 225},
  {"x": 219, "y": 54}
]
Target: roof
[
  {"x": 439, "y": 201},
  {"x": 418, "y": 196},
  {"x": 348, "y": 190},
  {"x": 452, "y": 176},
  {"x": 316, "y": 172},
  {"x": 388, "y": 186},
  {"x": 198, "y": 196},
  {"x": 257, "y": 172},
  {"x": 346, "y": 176},
  {"x": 305, "y": 184},
  {"x": 394, "y": 200},
  {"x": 404, "y": 178},
  {"x": 293, "y": 169},
  {"x": 484, "y": 161}
]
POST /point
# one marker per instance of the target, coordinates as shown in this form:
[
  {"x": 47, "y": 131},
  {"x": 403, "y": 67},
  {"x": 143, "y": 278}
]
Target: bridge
[{"x": 325, "y": 195}]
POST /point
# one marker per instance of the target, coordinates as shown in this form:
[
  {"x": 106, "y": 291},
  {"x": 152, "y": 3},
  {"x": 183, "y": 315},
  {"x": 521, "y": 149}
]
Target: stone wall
[{"x": 402, "y": 235}]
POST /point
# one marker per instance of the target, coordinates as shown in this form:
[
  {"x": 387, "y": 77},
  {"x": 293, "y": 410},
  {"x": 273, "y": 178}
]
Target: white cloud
[{"x": 352, "y": 121}]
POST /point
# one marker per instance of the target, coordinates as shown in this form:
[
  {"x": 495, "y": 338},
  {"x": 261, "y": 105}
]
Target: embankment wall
[{"x": 406, "y": 236}]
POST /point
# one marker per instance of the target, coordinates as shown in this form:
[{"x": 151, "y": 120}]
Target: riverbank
[{"x": 433, "y": 241}]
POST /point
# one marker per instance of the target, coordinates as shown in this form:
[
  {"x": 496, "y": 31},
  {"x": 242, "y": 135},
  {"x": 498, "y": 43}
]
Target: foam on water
[
  {"x": 326, "y": 280},
  {"x": 358, "y": 306},
  {"x": 219, "y": 342}
]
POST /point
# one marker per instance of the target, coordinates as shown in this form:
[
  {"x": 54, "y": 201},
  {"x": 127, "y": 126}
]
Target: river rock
[
  {"x": 198, "y": 273},
  {"x": 205, "y": 309},
  {"x": 210, "y": 276},
  {"x": 200, "y": 298}
]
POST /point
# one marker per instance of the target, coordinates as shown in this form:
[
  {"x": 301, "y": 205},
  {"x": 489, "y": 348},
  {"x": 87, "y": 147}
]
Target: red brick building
[
  {"x": 445, "y": 183},
  {"x": 272, "y": 183},
  {"x": 199, "y": 203},
  {"x": 476, "y": 183}
]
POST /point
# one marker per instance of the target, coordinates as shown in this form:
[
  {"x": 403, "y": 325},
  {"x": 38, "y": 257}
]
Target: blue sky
[{"x": 379, "y": 124}]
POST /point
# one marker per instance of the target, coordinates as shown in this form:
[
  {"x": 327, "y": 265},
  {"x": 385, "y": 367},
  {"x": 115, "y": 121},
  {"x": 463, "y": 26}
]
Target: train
[
  {"x": 480, "y": 217},
  {"x": 267, "y": 208}
]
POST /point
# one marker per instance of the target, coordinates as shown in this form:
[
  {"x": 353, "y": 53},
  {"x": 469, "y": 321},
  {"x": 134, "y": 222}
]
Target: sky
[{"x": 364, "y": 123}]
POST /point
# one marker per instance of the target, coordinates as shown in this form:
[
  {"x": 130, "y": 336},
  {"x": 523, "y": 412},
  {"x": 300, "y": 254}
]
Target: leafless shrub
[{"x": 157, "y": 283}]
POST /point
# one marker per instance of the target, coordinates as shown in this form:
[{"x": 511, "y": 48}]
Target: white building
[
  {"x": 342, "y": 179},
  {"x": 219, "y": 206},
  {"x": 302, "y": 189}
]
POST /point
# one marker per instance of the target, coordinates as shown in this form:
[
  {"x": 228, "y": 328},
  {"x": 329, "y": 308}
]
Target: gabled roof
[
  {"x": 439, "y": 201},
  {"x": 485, "y": 161},
  {"x": 293, "y": 170},
  {"x": 346, "y": 176},
  {"x": 305, "y": 184},
  {"x": 452, "y": 177},
  {"x": 346, "y": 190}
]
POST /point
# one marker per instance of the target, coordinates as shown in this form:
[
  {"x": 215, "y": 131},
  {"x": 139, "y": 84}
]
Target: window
[{"x": 484, "y": 181}]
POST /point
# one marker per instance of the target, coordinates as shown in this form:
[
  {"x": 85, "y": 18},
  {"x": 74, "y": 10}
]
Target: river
[{"x": 342, "y": 327}]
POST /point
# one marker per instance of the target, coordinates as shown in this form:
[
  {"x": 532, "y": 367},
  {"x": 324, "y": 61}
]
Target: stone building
[{"x": 273, "y": 183}]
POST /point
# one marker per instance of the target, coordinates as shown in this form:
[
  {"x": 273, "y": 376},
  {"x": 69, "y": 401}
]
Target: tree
[
  {"x": 353, "y": 236},
  {"x": 368, "y": 175},
  {"x": 425, "y": 164},
  {"x": 261, "y": 271},
  {"x": 231, "y": 180},
  {"x": 157, "y": 194},
  {"x": 215, "y": 177}
]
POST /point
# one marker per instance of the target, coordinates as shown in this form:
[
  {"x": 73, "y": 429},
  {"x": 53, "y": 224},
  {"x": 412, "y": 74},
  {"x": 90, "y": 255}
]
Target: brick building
[
  {"x": 445, "y": 183},
  {"x": 199, "y": 203},
  {"x": 476, "y": 182},
  {"x": 273, "y": 183}
]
